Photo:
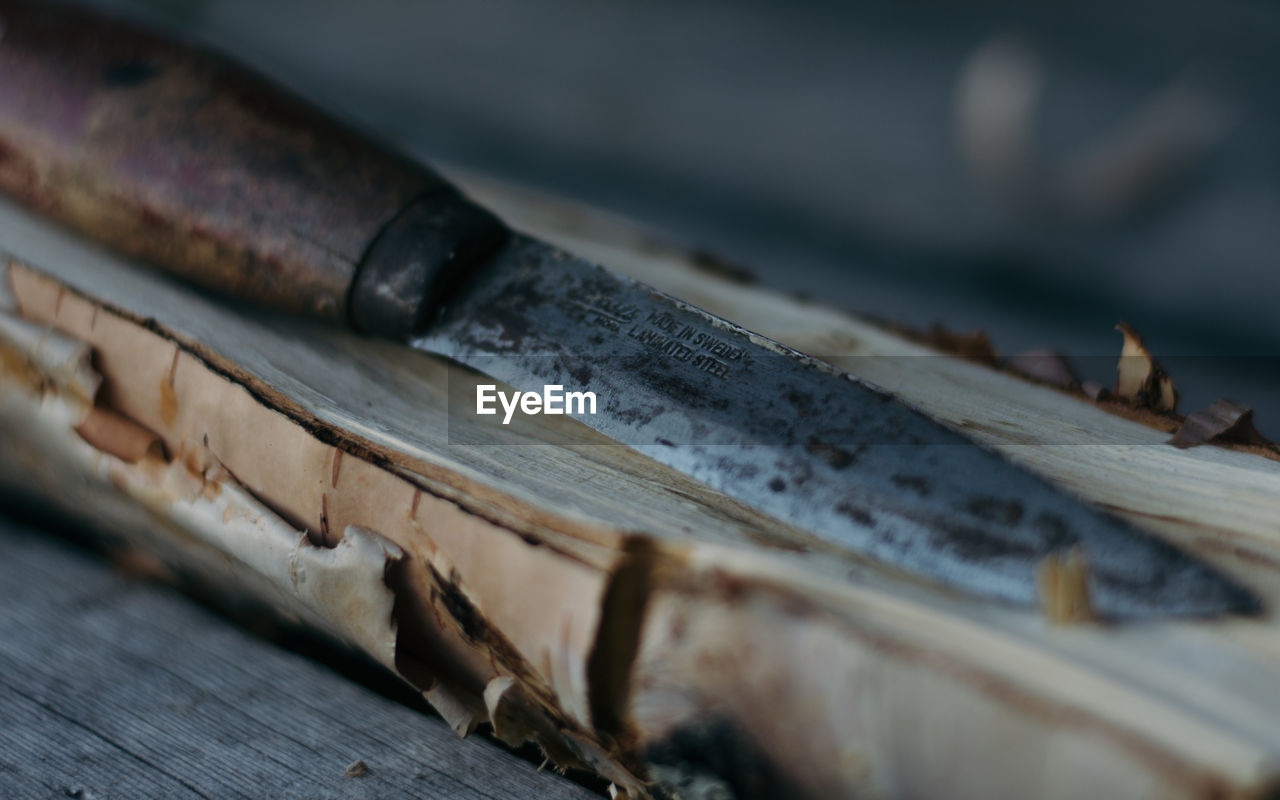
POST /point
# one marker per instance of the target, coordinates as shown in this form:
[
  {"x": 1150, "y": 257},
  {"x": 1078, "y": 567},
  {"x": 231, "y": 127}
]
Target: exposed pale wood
[
  {"x": 119, "y": 689},
  {"x": 756, "y": 644},
  {"x": 1221, "y": 502}
]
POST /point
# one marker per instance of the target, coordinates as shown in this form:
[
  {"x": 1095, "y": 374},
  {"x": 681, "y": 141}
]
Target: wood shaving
[
  {"x": 1139, "y": 377},
  {"x": 356, "y": 769},
  {"x": 1044, "y": 366},
  {"x": 1095, "y": 391},
  {"x": 1222, "y": 421}
]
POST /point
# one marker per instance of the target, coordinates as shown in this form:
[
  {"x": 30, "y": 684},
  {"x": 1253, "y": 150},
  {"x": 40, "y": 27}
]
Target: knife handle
[{"x": 176, "y": 156}]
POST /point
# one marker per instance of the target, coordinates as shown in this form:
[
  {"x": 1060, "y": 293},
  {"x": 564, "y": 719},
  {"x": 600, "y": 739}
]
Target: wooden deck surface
[{"x": 112, "y": 687}]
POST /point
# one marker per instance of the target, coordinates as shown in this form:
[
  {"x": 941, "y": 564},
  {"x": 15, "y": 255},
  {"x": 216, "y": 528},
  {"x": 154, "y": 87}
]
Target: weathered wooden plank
[
  {"x": 44, "y": 755},
  {"x": 115, "y": 688}
]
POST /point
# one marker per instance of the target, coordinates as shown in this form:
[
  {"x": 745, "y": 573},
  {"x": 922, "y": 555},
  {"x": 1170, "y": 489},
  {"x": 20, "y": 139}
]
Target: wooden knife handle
[{"x": 176, "y": 156}]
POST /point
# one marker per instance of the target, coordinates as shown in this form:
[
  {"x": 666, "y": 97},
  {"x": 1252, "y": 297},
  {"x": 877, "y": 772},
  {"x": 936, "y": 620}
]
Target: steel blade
[{"x": 801, "y": 441}]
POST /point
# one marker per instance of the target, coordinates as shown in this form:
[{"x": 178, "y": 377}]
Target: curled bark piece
[
  {"x": 1044, "y": 365},
  {"x": 1139, "y": 377},
  {"x": 356, "y": 769},
  {"x": 1064, "y": 588},
  {"x": 1222, "y": 421},
  {"x": 454, "y": 710},
  {"x": 505, "y": 725},
  {"x": 1095, "y": 391}
]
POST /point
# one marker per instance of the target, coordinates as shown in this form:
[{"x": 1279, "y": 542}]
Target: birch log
[{"x": 617, "y": 613}]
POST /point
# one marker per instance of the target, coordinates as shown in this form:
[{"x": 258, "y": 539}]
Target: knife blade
[{"x": 204, "y": 169}]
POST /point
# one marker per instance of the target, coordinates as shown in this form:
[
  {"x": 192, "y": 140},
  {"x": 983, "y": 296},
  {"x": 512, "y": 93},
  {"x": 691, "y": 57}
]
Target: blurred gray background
[{"x": 1039, "y": 171}]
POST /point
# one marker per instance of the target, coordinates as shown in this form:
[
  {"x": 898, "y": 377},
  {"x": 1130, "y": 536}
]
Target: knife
[{"x": 200, "y": 167}]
